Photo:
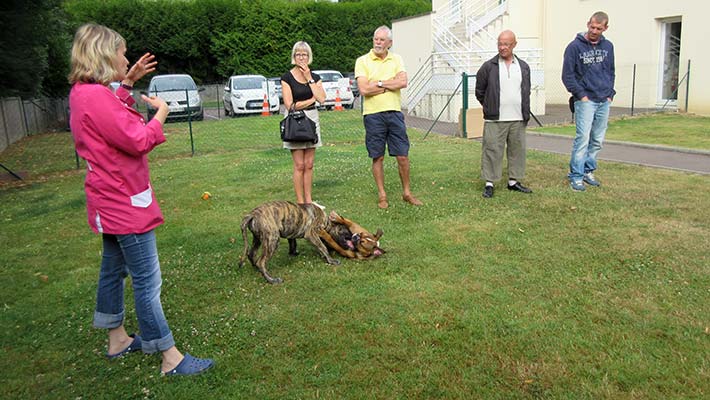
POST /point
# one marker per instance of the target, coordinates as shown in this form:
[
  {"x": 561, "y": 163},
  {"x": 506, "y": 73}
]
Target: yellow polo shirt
[{"x": 376, "y": 69}]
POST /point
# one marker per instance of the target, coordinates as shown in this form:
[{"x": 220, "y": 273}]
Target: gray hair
[{"x": 387, "y": 30}]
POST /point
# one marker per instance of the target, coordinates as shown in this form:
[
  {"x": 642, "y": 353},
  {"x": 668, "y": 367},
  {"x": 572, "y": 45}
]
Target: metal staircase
[
  {"x": 464, "y": 37},
  {"x": 462, "y": 42}
]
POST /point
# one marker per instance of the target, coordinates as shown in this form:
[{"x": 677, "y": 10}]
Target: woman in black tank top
[{"x": 301, "y": 88}]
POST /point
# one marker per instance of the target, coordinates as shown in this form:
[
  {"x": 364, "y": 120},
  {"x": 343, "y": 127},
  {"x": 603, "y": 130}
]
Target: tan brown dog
[
  {"x": 354, "y": 241},
  {"x": 283, "y": 219}
]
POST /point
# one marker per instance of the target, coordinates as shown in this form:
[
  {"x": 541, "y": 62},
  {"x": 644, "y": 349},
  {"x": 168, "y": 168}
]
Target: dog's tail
[{"x": 246, "y": 222}]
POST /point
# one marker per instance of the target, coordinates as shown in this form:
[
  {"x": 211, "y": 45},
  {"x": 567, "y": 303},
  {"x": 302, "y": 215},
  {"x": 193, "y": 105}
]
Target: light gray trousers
[{"x": 496, "y": 135}]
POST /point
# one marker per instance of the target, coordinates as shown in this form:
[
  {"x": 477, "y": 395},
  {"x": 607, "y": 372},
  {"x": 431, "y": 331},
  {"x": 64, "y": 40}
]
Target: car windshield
[
  {"x": 172, "y": 83},
  {"x": 248, "y": 83},
  {"x": 330, "y": 76}
]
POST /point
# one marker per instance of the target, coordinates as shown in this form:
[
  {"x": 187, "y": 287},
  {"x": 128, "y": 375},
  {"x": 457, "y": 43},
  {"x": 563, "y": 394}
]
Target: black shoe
[
  {"x": 488, "y": 192},
  {"x": 519, "y": 188}
]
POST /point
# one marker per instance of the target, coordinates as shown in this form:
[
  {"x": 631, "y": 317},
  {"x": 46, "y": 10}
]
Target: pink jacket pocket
[{"x": 142, "y": 199}]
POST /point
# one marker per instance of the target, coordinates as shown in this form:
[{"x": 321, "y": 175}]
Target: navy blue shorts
[{"x": 388, "y": 128}]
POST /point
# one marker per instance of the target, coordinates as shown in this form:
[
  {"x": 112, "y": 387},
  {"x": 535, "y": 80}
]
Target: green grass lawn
[
  {"x": 676, "y": 130},
  {"x": 595, "y": 295}
]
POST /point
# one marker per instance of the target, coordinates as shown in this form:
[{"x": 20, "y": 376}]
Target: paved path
[
  {"x": 697, "y": 161},
  {"x": 632, "y": 153}
]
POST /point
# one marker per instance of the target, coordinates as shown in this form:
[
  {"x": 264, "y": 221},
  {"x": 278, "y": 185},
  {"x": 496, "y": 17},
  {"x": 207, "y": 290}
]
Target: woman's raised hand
[{"x": 146, "y": 64}]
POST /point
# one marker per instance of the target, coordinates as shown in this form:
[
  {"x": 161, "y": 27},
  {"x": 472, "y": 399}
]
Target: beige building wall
[
  {"x": 412, "y": 39},
  {"x": 527, "y": 21}
]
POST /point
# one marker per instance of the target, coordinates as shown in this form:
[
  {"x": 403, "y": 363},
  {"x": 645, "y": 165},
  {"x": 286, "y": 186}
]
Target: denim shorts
[{"x": 386, "y": 128}]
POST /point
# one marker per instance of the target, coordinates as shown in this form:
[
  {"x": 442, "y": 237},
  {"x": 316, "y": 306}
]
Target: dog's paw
[{"x": 334, "y": 261}]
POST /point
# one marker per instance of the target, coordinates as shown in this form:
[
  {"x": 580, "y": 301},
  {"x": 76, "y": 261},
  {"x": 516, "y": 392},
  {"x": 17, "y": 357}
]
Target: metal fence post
[
  {"x": 687, "y": 87},
  {"x": 633, "y": 90},
  {"x": 219, "y": 116},
  {"x": 464, "y": 91},
  {"x": 189, "y": 121},
  {"x": 24, "y": 117},
  {"x": 4, "y": 122}
]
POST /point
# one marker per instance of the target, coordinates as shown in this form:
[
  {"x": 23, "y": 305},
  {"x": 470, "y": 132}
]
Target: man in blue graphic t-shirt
[{"x": 588, "y": 73}]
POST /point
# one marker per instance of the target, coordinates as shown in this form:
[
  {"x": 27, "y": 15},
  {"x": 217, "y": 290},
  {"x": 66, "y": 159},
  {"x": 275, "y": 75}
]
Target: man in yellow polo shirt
[{"x": 380, "y": 76}]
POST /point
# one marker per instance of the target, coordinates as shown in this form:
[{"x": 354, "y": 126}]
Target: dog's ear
[{"x": 379, "y": 233}]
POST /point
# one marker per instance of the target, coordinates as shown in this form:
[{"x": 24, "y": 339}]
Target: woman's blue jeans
[
  {"x": 137, "y": 255},
  {"x": 591, "y": 119}
]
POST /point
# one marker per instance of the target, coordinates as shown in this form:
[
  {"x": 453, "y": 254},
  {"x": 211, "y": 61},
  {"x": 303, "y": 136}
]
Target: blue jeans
[
  {"x": 137, "y": 255},
  {"x": 591, "y": 119}
]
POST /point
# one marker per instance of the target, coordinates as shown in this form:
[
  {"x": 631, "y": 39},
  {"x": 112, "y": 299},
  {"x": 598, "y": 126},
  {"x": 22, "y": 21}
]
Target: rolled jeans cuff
[
  {"x": 108, "y": 321},
  {"x": 162, "y": 344}
]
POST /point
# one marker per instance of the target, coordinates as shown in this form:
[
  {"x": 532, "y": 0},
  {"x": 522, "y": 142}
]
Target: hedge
[{"x": 213, "y": 39}]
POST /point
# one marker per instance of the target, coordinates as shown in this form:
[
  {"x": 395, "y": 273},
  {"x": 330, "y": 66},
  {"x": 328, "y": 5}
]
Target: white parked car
[
  {"x": 244, "y": 94},
  {"x": 333, "y": 82},
  {"x": 177, "y": 90},
  {"x": 276, "y": 83}
]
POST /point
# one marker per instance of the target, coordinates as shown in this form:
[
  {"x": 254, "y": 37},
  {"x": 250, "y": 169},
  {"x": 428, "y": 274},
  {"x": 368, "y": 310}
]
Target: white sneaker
[{"x": 589, "y": 179}]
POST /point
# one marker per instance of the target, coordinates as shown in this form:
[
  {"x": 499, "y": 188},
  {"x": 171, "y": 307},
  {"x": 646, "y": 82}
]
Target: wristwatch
[
  {"x": 311, "y": 81},
  {"x": 379, "y": 83}
]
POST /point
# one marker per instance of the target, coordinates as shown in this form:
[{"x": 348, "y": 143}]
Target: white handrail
[
  {"x": 452, "y": 63},
  {"x": 473, "y": 17}
]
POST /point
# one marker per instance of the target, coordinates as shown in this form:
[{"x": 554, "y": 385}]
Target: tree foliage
[
  {"x": 34, "y": 48},
  {"x": 213, "y": 39}
]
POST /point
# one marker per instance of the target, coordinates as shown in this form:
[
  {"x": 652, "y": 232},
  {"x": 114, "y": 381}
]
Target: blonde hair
[
  {"x": 93, "y": 53},
  {"x": 301, "y": 46}
]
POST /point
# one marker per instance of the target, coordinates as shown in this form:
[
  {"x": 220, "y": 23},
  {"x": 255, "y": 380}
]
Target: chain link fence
[
  {"x": 225, "y": 128},
  {"x": 22, "y": 117},
  {"x": 440, "y": 110}
]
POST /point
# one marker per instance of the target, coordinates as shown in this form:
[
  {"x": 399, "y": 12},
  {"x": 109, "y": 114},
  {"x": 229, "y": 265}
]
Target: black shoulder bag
[
  {"x": 297, "y": 127},
  {"x": 571, "y": 104}
]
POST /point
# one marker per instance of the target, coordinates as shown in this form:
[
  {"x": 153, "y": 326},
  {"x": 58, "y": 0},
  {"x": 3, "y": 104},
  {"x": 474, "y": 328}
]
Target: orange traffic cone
[
  {"x": 265, "y": 108},
  {"x": 338, "y": 105}
]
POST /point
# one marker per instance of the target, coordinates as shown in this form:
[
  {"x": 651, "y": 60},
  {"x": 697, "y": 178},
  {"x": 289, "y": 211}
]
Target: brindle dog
[{"x": 283, "y": 219}]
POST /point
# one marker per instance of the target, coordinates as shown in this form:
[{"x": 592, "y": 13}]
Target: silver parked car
[
  {"x": 334, "y": 84},
  {"x": 245, "y": 94},
  {"x": 179, "y": 91}
]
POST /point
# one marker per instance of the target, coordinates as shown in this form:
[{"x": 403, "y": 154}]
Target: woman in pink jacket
[{"x": 114, "y": 140}]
